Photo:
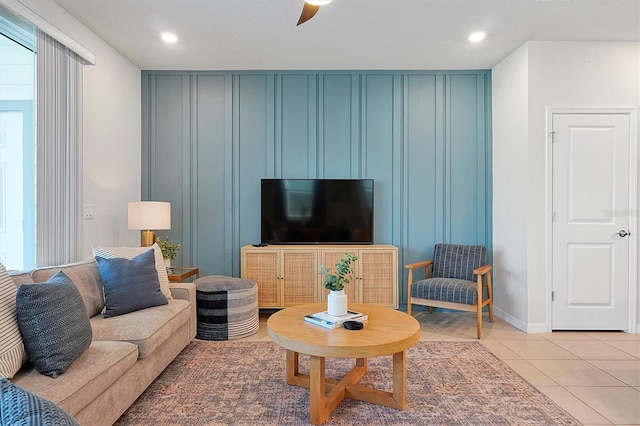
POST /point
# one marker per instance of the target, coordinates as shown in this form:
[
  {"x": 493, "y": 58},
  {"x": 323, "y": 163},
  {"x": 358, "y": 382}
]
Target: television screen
[{"x": 317, "y": 211}]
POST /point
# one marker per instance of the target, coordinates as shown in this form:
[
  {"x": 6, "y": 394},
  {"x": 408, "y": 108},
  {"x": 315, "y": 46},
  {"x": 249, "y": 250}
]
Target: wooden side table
[{"x": 182, "y": 273}]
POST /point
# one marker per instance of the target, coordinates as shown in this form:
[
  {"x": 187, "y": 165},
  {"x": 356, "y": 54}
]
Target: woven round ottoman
[{"x": 227, "y": 308}]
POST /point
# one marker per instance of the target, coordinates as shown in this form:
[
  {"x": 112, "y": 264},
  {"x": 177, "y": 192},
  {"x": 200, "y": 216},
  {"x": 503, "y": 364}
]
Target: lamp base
[{"x": 148, "y": 238}]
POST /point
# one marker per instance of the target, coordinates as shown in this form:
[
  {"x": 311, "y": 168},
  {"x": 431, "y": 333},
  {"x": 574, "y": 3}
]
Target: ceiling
[{"x": 346, "y": 34}]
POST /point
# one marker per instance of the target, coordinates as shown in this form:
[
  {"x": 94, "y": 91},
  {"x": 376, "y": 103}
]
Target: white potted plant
[
  {"x": 169, "y": 250},
  {"x": 337, "y": 300}
]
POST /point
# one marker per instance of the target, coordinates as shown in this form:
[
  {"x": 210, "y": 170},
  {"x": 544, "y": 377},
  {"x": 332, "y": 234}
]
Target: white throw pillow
[
  {"x": 13, "y": 355},
  {"x": 130, "y": 253}
]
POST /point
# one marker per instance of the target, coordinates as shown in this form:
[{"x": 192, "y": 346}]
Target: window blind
[{"x": 59, "y": 153}]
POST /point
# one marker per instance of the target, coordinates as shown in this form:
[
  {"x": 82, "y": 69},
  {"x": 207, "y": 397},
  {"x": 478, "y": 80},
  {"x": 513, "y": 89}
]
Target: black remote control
[{"x": 353, "y": 325}]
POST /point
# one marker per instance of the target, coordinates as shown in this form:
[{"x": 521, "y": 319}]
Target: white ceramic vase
[
  {"x": 167, "y": 262},
  {"x": 337, "y": 303}
]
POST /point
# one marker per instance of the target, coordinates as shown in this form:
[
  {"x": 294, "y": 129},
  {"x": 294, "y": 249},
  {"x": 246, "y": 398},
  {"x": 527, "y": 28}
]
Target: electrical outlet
[{"x": 88, "y": 211}]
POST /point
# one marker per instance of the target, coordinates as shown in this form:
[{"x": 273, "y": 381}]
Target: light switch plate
[{"x": 88, "y": 211}]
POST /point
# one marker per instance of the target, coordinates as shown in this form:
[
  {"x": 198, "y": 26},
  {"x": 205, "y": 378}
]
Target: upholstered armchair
[{"x": 459, "y": 279}]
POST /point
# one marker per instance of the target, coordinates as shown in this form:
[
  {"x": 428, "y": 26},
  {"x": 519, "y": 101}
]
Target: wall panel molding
[{"x": 423, "y": 136}]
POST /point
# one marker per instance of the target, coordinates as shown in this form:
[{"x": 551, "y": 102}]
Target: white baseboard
[
  {"x": 535, "y": 327},
  {"x": 520, "y": 325}
]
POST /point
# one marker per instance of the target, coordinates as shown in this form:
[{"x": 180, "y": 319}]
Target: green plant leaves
[
  {"x": 169, "y": 249},
  {"x": 342, "y": 276}
]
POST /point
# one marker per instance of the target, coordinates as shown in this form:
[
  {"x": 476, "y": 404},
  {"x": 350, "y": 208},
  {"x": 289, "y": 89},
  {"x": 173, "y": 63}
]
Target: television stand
[{"x": 287, "y": 275}]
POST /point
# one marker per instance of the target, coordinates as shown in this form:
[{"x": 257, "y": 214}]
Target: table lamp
[{"x": 148, "y": 215}]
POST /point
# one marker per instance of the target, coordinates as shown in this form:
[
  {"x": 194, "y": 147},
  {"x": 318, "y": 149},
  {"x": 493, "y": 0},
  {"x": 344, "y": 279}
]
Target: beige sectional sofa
[{"x": 126, "y": 354}]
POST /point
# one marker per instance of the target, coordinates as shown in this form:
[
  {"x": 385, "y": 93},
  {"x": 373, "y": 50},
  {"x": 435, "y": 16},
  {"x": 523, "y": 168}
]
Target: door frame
[{"x": 632, "y": 112}]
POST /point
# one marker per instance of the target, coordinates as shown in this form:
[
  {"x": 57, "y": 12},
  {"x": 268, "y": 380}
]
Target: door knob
[{"x": 623, "y": 233}]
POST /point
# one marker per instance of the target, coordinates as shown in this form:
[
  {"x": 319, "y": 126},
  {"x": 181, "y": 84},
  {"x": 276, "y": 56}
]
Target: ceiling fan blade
[{"x": 308, "y": 11}]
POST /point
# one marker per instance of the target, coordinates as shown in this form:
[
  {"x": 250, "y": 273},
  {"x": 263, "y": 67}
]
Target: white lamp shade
[
  {"x": 318, "y": 2},
  {"x": 149, "y": 215}
]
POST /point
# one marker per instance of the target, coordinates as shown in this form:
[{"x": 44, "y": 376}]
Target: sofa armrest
[
  {"x": 186, "y": 291},
  {"x": 183, "y": 291}
]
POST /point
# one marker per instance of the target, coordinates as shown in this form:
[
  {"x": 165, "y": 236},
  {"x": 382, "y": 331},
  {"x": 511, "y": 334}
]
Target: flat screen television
[{"x": 316, "y": 211}]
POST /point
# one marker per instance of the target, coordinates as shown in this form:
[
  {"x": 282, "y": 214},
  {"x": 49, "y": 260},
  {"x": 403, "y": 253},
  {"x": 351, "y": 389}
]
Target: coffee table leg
[
  {"x": 292, "y": 368},
  {"x": 316, "y": 390},
  {"x": 400, "y": 379},
  {"x": 321, "y": 404}
]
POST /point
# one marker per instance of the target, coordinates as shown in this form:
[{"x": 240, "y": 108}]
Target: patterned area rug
[{"x": 243, "y": 383}]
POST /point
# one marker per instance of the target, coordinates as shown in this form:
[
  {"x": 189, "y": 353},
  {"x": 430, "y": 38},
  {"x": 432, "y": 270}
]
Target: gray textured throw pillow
[
  {"x": 20, "y": 407},
  {"x": 130, "y": 284},
  {"x": 54, "y": 323}
]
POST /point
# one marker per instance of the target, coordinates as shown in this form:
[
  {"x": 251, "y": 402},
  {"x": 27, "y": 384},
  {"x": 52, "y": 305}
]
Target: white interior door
[{"x": 591, "y": 268}]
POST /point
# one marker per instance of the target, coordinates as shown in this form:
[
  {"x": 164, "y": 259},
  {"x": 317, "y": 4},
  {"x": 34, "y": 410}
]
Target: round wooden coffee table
[{"x": 386, "y": 332}]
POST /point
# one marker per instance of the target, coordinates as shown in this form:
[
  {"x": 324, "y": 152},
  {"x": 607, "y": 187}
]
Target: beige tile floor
[{"x": 595, "y": 376}]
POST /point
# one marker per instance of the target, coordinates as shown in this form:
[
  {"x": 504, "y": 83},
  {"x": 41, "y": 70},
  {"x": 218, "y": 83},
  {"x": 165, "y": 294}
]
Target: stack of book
[{"x": 323, "y": 319}]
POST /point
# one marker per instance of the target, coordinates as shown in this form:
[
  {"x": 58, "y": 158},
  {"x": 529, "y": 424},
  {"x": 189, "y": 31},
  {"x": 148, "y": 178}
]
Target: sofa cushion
[
  {"x": 21, "y": 407},
  {"x": 99, "y": 367},
  {"x": 147, "y": 329},
  {"x": 12, "y": 351},
  {"x": 130, "y": 253},
  {"x": 86, "y": 278},
  {"x": 130, "y": 285},
  {"x": 53, "y": 322},
  {"x": 446, "y": 290}
]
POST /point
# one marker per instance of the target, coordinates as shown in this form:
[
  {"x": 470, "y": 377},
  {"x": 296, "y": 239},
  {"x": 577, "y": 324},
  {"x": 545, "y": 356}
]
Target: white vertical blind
[{"x": 59, "y": 153}]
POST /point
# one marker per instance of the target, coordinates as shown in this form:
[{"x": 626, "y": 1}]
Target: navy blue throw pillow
[
  {"x": 130, "y": 284},
  {"x": 20, "y": 407},
  {"x": 54, "y": 323}
]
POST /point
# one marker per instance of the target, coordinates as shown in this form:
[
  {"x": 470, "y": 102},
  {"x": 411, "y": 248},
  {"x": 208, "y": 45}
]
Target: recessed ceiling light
[
  {"x": 477, "y": 36},
  {"x": 169, "y": 37}
]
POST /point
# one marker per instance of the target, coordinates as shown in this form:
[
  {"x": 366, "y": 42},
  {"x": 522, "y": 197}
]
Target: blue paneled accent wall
[{"x": 423, "y": 136}]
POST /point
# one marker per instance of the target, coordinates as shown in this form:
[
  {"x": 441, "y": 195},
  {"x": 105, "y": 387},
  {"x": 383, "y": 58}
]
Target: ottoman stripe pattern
[{"x": 227, "y": 308}]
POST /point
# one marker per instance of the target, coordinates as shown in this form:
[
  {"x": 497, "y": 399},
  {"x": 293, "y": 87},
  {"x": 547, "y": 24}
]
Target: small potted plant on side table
[
  {"x": 169, "y": 250},
  {"x": 337, "y": 300}
]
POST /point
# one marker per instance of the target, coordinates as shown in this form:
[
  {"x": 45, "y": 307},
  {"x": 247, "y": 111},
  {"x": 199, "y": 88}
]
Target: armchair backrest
[{"x": 457, "y": 261}]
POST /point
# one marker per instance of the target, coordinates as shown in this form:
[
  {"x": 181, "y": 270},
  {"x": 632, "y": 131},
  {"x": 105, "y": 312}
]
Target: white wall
[
  {"x": 112, "y": 132},
  {"x": 510, "y": 141},
  {"x": 559, "y": 74}
]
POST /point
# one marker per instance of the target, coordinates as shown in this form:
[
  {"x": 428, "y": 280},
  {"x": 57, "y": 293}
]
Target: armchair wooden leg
[
  {"x": 479, "y": 320},
  {"x": 490, "y": 296},
  {"x": 409, "y": 281}
]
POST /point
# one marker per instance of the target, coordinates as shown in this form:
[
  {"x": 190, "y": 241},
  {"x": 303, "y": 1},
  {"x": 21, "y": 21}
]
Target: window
[
  {"x": 42, "y": 170},
  {"x": 17, "y": 144}
]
